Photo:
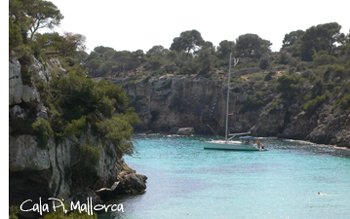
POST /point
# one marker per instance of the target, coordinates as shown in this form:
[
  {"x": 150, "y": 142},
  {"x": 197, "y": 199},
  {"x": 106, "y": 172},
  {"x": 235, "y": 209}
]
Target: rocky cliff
[
  {"x": 167, "y": 103},
  {"x": 59, "y": 169},
  {"x": 289, "y": 121},
  {"x": 171, "y": 102}
]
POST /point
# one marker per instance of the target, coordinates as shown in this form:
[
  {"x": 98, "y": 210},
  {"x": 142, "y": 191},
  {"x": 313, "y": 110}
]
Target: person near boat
[{"x": 261, "y": 146}]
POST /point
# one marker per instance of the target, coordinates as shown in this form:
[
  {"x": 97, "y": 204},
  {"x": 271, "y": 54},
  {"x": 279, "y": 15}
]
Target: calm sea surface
[{"x": 187, "y": 181}]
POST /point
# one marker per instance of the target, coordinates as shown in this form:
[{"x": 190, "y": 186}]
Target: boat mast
[{"x": 228, "y": 96}]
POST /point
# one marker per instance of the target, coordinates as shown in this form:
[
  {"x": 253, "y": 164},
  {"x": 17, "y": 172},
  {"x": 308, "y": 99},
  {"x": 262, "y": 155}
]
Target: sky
[{"x": 134, "y": 24}]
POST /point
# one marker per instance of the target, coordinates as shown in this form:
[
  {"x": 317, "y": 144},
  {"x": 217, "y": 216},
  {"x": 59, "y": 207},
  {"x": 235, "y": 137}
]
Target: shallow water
[{"x": 187, "y": 181}]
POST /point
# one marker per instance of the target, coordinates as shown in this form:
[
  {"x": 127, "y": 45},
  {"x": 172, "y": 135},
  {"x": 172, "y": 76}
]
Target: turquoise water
[{"x": 186, "y": 181}]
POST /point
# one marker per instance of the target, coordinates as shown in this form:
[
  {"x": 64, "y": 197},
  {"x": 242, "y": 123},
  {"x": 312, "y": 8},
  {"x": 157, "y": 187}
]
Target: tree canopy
[
  {"x": 188, "y": 40},
  {"x": 75, "y": 103},
  {"x": 251, "y": 45},
  {"x": 320, "y": 37},
  {"x": 32, "y": 15},
  {"x": 189, "y": 53}
]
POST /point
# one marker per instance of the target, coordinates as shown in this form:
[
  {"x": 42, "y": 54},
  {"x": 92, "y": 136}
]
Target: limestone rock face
[
  {"x": 342, "y": 139},
  {"x": 41, "y": 111},
  {"x": 52, "y": 168},
  {"x": 30, "y": 94},
  {"x": 322, "y": 127},
  {"x": 38, "y": 70},
  {"x": 131, "y": 183},
  {"x": 299, "y": 126},
  {"x": 17, "y": 112},
  {"x": 25, "y": 154},
  {"x": 167, "y": 103},
  {"x": 54, "y": 65},
  {"x": 19, "y": 92},
  {"x": 15, "y": 83},
  {"x": 50, "y": 172},
  {"x": 332, "y": 129},
  {"x": 269, "y": 124}
]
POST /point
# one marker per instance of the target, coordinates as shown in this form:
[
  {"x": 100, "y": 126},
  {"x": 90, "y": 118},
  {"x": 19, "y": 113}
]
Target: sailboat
[{"x": 245, "y": 143}]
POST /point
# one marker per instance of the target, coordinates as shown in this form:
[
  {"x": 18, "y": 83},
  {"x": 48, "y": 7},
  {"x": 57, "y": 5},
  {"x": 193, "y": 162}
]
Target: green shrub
[
  {"x": 293, "y": 62},
  {"x": 344, "y": 102},
  {"x": 75, "y": 127},
  {"x": 306, "y": 74},
  {"x": 312, "y": 105},
  {"x": 146, "y": 79},
  {"x": 236, "y": 89},
  {"x": 322, "y": 58},
  {"x": 280, "y": 67},
  {"x": 301, "y": 66},
  {"x": 115, "y": 130},
  {"x": 273, "y": 106},
  {"x": 289, "y": 85},
  {"x": 15, "y": 37},
  {"x": 25, "y": 57},
  {"x": 253, "y": 103},
  {"x": 286, "y": 82},
  {"x": 79, "y": 103},
  {"x": 284, "y": 58},
  {"x": 269, "y": 75},
  {"x": 291, "y": 70},
  {"x": 158, "y": 72},
  {"x": 90, "y": 155},
  {"x": 167, "y": 84},
  {"x": 84, "y": 172},
  {"x": 328, "y": 72},
  {"x": 188, "y": 68},
  {"x": 13, "y": 212},
  {"x": 43, "y": 130},
  {"x": 264, "y": 62},
  {"x": 340, "y": 72},
  {"x": 154, "y": 62},
  {"x": 171, "y": 68}
]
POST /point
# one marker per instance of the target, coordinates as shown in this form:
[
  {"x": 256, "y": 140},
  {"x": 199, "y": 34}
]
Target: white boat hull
[{"x": 230, "y": 145}]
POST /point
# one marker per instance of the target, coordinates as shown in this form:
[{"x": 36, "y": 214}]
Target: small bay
[{"x": 294, "y": 179}]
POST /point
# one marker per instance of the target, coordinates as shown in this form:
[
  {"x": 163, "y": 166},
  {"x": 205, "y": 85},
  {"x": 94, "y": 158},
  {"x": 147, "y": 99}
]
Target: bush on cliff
[
  {"x": 288, "y": 85},
  {"x": 43, "y": 131},
  {"x": 78, "y": 104},
  {"x": 117, "y": 129},
  {"x": 311, "y": 105},
  {"x": 344, "y": 102},
  {"x": 84, "y": 172}
]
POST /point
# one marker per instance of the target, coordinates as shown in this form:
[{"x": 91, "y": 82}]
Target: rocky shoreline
[
  {"x": 170, "y": 102},
  {"x": 58, "y": 169}
]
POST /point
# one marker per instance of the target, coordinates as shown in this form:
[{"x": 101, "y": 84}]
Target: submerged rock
[
  {"x": 131, "y": 183},
  {"x": 185, "y": 131}
]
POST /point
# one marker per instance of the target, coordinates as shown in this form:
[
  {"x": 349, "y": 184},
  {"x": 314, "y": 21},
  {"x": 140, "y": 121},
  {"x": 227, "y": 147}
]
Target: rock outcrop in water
[
  {"x": 172, "y": 102},
  {"x": 56, "y": 170}
]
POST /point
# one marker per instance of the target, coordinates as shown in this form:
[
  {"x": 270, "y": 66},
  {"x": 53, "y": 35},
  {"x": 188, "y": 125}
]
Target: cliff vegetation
[
  {"x": 307, "y": 81},
  {"x": 68, "y": 134}
]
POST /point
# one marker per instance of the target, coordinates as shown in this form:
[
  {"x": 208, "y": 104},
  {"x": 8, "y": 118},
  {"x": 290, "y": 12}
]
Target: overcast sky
[{"x": 142, "y": 24}]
